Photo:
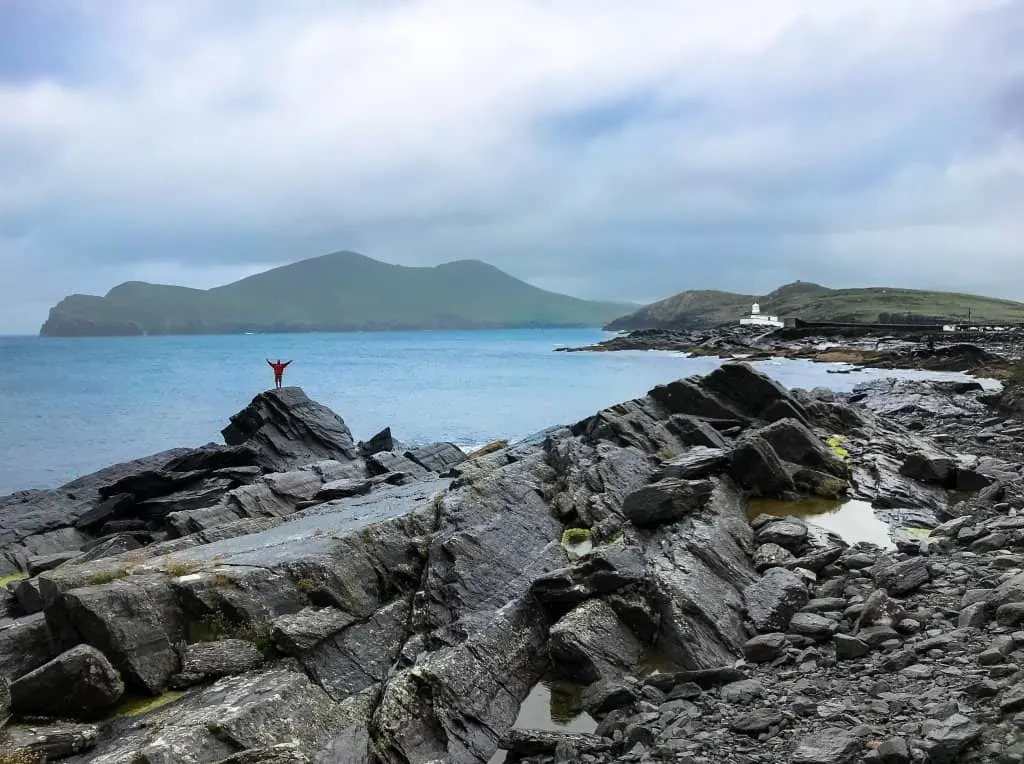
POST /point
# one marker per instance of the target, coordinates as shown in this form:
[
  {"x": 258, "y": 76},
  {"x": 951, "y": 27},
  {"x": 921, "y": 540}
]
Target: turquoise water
[{"x": 70, "y": 406}]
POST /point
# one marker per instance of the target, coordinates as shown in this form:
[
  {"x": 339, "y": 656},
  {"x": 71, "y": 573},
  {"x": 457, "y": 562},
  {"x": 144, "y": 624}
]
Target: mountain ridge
[
  {"x": 697, "y": 309},
  {"x": 338, "y": 291}
]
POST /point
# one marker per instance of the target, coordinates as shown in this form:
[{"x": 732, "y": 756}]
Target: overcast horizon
[{"x": 585, "y": 147}]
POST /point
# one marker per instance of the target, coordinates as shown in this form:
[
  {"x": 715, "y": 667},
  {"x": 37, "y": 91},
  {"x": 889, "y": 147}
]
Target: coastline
[{"x": 402, "y": 603}]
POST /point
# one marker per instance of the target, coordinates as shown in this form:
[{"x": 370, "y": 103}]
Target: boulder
[
  {"x": 40, "y": 563},
  {"x": 790, "y": 534},
  {"x": 79, "y": 683},
  {"x": 765, "y": 647},
  {"x": 930, "y": 468},
  {"x": 772, "y": 600},
  {"x": 666, "y": 501},
  {"x": 605, "y": 570},
  {"x": 694, "y": 431},
  {"x": 591, "y": 643},
  {"x": 794, "y": 442},
  {"x": 342, "y": 489},
  {"x": 755, "y": 466},
  {"x": 383, "y": 462},
  {"x": 829, "y": 746},
  {"x": 285, "y": 429},
  {"x": 690, "y": 396},
  {"x": 212, "y": 457},
  {"x": 25, "y": 644},
  {"x": 134, "y": 621},
  {"x": 771, "y": 556}
]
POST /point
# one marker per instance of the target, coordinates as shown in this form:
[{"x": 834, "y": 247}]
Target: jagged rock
[
  {"x": 220, "y": 658},
  {"x": 211, "y": 457},
  {"x": 286, "y": 429},
  {"x": 690, "y": 396},
  {"x": 382, "y": 441},
  {"x": 772, "y": 600},
  {"x": 849, "y": 648},
  {"x": 817, "y": 627},
  {"x": 880, "y": 609},
  {"x": 296, "y": 633},
  {"x": 79, "y": 683},
  {"x": 693, "y": 431},
  {"x": 437, "y": 457},
  {"x": 607, "y": 569},
  {"x": 119, "y": 544},
  {"x": 51, "y": 742},
  {"x": 794, "y": 442},
  {"x": 893, "y": 751},
  {"x": 282, "y": 753},
  {"x": 902, "y": 577},
  {"x": 666, "y": 501},
  {"x": 830, "y": 746},
  {"x": 591, "y": 643},
  {"x": 699, "y": 462},
  {"x": 383, "y": 462},
  {"x": 35, "y": 522},
  {"x": 25, "y": 644},
  {"x": 26, "y": 593},
  {"x": 744, "y": 691},
  {"x": 749, "y": 390},
  {"x": 754, "y": 464}
]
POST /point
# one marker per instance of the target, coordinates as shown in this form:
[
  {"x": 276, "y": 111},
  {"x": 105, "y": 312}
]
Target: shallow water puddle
[
  {"x": 853, "y": 520},
  {"x": 553, "y": 706}
]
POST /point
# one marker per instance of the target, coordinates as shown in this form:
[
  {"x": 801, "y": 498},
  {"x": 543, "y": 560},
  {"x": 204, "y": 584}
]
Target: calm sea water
[{"x": 71, "y": 406}]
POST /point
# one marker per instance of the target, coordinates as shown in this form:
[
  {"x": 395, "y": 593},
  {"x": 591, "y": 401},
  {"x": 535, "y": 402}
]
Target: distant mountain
[
  {"x": 343, "y": 291},
  {"x": 813, "y": 302}
]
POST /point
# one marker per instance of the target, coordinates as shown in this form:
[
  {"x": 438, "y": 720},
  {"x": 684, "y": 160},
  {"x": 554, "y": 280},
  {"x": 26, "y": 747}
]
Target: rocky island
[{"x": 293, "y": 595}]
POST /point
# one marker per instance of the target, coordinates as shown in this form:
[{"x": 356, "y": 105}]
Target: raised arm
[
  {"x": 268, "y": 361},
  {"x": 287, "y": 362}
]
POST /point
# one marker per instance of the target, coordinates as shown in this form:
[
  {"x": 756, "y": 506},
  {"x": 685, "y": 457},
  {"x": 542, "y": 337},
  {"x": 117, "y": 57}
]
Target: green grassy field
[{"x": 813, "y": 302}]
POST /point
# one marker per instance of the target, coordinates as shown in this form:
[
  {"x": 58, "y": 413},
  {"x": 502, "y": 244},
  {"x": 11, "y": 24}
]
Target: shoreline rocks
[{"x": 295, "y": 596}]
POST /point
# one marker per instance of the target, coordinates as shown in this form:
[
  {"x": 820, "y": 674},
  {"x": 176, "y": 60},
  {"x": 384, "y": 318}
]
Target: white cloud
[{"x": 555, "y": 139}]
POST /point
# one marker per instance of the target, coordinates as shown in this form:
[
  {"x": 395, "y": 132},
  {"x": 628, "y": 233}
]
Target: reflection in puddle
[
  {"x": 553, "y": 706},
  {"x": 854, "y": 520}
]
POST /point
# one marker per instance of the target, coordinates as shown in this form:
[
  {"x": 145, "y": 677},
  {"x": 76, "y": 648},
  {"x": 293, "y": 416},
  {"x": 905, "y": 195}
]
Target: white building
[{"x": 756, "y": 318}]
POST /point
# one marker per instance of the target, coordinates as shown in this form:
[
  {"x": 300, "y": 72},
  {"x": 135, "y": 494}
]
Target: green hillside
[
  {"x": 813, "y": 302},
  {"x": 343, "y": 291}
]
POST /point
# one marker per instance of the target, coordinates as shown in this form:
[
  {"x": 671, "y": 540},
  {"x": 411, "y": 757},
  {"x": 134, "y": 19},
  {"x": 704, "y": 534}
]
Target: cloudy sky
[{"x": 602, "y": 148}]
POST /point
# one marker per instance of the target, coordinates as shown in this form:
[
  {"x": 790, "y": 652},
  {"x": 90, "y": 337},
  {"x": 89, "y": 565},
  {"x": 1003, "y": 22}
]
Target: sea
[{"x": 69, "y": 406}]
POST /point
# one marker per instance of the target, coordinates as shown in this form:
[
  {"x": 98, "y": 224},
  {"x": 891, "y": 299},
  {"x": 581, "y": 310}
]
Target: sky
[{"x": 604, "y": 149}]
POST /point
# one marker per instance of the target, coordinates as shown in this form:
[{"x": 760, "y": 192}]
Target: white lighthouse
[{"x": 756, "y": 318}]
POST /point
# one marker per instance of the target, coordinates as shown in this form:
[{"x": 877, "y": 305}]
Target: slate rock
[
  {"x": 666, "y": 501},
  {"x": 744, "y": 691},
  {"x": 296, "y": 633},
  {"x": 772, "y": 556},
  {"x": 25, "y": 644},
  {"x": 50, "y": 742},
  {"x": 765, "y": 647},
  {"x": 794, "y": 442},
  {"x": 893, "y": 751},
  {"x": 591, "y": 643},
  {"x": 285, "y": 429},
  {"x": 695, "y": 463},
  {"x": 789, "y": 534},
  {"x": 1010, "y": 614},
  {"x": 849, "y": 648},
  {"x": 342, "y": 489},
  {"x": 44, "y": 562},
  {"x": 223, "y": 657},
  {"x": 382, "y": 441},
  {"x": 901, "y": 578},
  {"x": 5, "y": 701},
  {"x": 606, "y": 695},
  {"x": 749, "y": 390},
  {"x": 774, "y": 598},
  {"x": 829, "y": 746},
  {"x": 812, "y": 625},
  {"x": 756, "y": 722},
  {"x": 437, "y": 457},
  {"x": 946, "y": 743},
  {"x": 929, "y": 468},
  {"x": 755, "y": 466},
  {"x": 79, "y": 683}
]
